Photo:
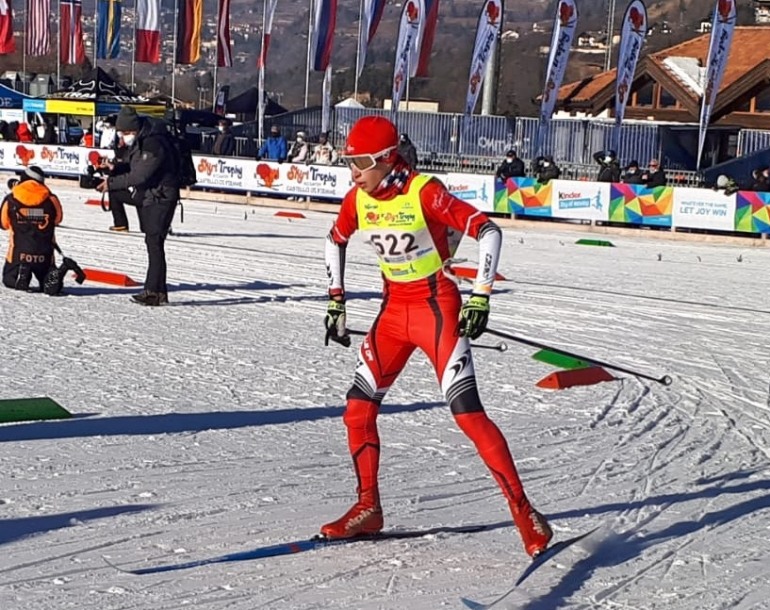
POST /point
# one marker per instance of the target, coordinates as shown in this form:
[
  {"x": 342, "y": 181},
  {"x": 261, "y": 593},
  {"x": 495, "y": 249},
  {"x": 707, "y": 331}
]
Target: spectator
[
  {"x": 13, "y": 131},
  {"x": 274, "y": 148},
  {"x": 761, "y": 179},
  {"x": 152, "y": 172},
  {"x": 545, "y": 169},
  {"x": 407, "y": 150},
  {"x": 88, "y": 138},
  {"x": 299, "y": 151},
  {"x": 654, "y": 176},
  {"x": 632, "y": 175},
  {"x": 609, "y": 167},
  {"x": 224, "y": 144},
  {"x": 31, "y": 213},
  {"x": 119, "y": 199},
  {"x": 23, "y": 133},
  {"x": 5, "y": 132},
  {"x": 109, "y": 136},
  {"x": 511, "y": 167},
  {"x": 726, "y": 184},
  {"x": 324, "y": 153}
]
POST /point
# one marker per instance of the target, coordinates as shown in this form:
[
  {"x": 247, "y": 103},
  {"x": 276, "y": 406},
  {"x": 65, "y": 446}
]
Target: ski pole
[
  {"x": 665, "y": 380},
  {"x": 500, "y": 347}
]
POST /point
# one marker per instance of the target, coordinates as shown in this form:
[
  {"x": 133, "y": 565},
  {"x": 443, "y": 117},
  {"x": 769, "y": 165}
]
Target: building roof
[{"x": 676, "y": 68}]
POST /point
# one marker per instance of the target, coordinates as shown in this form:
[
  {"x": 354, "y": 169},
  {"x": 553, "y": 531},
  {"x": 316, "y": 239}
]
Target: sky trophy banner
[
  {"x": 407, "y": 48},
  {"x": 7, "y": 45},
  {"x": 719, "y": 50},
  {"x": 108, "y": 14},
  {"x": 561, "y": 42},
  {"x": 633, "y": 31},
  {"x": 372, "y": 14},
  {"x": 487, "y": 33}
]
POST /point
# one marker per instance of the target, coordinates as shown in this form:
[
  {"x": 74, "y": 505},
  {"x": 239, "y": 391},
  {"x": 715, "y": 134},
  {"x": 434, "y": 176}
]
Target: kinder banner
[
  {"x": 703, "y": 209},
  {"x": 639, "y": 205},
  {"x": 580, "y": 200},
  {"x": 633, "y": 32},
  {"x": 752, "y": 212},
  {"x": 524, "y": 197},
  {"x": 479, "y": 191},
  {"x": 719, "y": 49},
  {"x": 487, "y": 33},
  {"x": 561, "y": 42}
]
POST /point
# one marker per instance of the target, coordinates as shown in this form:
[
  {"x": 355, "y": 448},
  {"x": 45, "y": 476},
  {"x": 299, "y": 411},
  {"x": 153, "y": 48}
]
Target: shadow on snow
[{"x": 175, "y": 423}]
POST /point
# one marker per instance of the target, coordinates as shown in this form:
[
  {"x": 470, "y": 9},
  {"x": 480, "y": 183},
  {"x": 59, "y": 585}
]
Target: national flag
[
  {"x": 108, "y": 14},
  {"x": 188, "y": 31},
  {"x": 407, "y": 47},
  {"x": 148, "y": 31},
  {"x": 71, "y": 48},
  {"x": 426, "y": 37},
  {"x": 7, "y": 44},
  {"x": 224, "y": 47},
  {"x": 564, "y": 27},
  {"x": 372, "y": 14},
  {"x": 267, "y": 27},
  {"x": 487, "y": 32},
  {"x": 722, "y": 28},
  {"x": 37, "y": 27},
  {"x": 322, "y": 34},
  {"x": 633, "y": 32}
]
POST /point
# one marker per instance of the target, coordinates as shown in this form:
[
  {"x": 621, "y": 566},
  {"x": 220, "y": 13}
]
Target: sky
[{"x": 213, "y": 426}]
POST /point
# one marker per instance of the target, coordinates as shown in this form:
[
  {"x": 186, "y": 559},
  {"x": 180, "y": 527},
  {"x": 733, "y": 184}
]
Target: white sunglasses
[{"x": 364, "y": 163}]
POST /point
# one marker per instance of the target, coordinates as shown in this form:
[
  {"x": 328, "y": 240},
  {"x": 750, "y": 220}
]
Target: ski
[
  {"x": 301, "y": 546},
  {"x": 551, "y": 552}
]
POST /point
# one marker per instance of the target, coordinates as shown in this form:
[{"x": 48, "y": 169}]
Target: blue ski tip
[{"x": 469, "y": 603}]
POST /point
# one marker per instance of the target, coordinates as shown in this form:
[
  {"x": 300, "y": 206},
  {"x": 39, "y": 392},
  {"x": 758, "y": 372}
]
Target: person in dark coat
[
  {"x": 654, "y": 176},
  {"x": 545, "y": 169},
  {"x": 511, "y": 167},
  {"x": 407, "y": 150},
  {"x": 633, "y": 175},
  {"x": 609, "y": 167},
  {"x": 224, "y": 144},
  {"x": 153, "y": 177},
  {"x": 761, "y": 177},
  {"x": 119, "y": 199}
]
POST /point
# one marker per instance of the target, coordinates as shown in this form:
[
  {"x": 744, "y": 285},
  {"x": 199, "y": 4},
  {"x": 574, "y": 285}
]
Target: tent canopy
[{"x": 246, "y": 103}]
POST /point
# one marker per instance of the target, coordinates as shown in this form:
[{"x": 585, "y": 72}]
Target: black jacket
[
  {"x": 408, "y": 153},
  {"x": 514, "y": 169},
  {"x": 635, "y": 178},
  {"x": 224, "y": 144},
  {"x": 609, "y": 173},
  {"x": 653, "y": 179},
  {"x": 153, "y": 167}
]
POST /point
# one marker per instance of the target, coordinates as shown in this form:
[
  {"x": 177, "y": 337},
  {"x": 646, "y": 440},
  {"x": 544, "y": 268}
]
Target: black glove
[
  {"x": 335, "y": 324},
  {"x": 474, "y": 316}
]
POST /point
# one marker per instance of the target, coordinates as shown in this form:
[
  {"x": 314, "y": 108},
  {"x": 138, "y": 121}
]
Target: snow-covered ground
[{"x": 213, "y": 426}]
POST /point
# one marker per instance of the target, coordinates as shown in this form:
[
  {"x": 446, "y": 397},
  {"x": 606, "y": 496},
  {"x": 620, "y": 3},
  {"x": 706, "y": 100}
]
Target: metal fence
[{"x": 751, "y": 141}]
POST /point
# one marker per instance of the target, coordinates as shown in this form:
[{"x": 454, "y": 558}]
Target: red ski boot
[
  {"x": 533, "y": 527},
  {"x": 362, "y": 519}
]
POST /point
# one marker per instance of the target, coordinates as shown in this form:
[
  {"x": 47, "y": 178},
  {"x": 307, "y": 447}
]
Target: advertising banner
[
  {"x": 638, "y": 205},
  {"x": 696, "y": 208},
  {"x": 633, "y": 32},
  {"x": 580, "y": 200},
  {"x": 523, "y": 196},
  {"x": 487, "y": 33},
  {"x": 409, "y": 35},
  {"x": 752, "y": 212},
  {"x": 65, "y": 160},
  {"x": 477, "y": 190},
  {"x": 225, "y": 172}
]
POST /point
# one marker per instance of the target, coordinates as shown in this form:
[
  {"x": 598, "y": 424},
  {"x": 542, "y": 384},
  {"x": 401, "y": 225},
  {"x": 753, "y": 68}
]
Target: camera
[
  {"x": 92, "y": 178},
  {"x": 54, "y": 279}
]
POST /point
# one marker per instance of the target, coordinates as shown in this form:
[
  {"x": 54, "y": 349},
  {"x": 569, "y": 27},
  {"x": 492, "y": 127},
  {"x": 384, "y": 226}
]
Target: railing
[{"x": 751, "y": 141}]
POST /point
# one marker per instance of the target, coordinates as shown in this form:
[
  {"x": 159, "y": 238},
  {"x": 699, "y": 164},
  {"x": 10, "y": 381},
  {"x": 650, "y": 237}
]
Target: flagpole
[
  {"x": 408, "y": 77},
  {"x": 58, "y": 49},
  {"x": 358, "y": 50},
  {"x": 173, "y": 64},
  {"x": 133, "y": 52},
  {"x": 96, "y": 31},
  {"x": 261, "y": 83},
  {"x": 216, "y": 62},
  {"x": 309, "y": 43}
]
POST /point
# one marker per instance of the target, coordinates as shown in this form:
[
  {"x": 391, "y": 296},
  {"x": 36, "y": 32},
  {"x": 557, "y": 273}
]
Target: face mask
[
  {"x": 546, "y": 164},
  {"x": 129, "y": 138},
  {"x": 632, "y": 171},
  {"x": 221, "y": 129},
  {"x": 509, "y": 159}
]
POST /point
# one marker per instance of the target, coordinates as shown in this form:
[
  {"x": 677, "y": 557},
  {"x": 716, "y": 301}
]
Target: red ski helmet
[{"x": 371, "y": 135}]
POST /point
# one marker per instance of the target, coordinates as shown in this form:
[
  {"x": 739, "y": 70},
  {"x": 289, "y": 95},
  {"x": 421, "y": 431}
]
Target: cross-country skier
[{"x": 414, "y": 225}]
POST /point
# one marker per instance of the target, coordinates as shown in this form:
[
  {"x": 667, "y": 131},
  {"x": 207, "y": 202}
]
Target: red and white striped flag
[
  {"x": 268, "y": 21},
  {"x": 7, "y": 45},
  {"x": 37, "y": 27},
  {"x": 148, "y": 31},
  {"x": 224, "y": 47},
  {"x": 71, "y": 46}
]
